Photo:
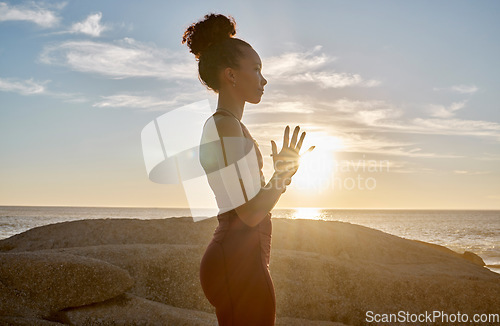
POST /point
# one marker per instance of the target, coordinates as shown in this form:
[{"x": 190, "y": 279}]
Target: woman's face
[{"x": 248, "y": 78}]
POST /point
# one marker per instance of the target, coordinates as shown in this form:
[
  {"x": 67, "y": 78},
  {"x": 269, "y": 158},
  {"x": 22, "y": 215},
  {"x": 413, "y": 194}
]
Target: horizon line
[{"x": 277, "y": 208}]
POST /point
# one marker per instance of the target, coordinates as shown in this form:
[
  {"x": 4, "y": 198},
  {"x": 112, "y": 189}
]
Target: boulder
[
  {"x": 35, "y": 284},
  {"x": 128, "y": 309},
  {"x": 324, "y": 272},
  {"x": 82, "y": 233},
  {"x": 470, "y": 256},
  {"x": 21, "y": 321}
]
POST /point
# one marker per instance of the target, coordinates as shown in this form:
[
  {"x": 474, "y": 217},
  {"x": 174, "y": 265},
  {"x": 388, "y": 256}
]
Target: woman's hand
[{"x": 286, "y": 162}]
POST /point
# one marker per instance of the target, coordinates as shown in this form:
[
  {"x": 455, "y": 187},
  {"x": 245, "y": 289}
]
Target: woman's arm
[{"x": 254, "y": 211}]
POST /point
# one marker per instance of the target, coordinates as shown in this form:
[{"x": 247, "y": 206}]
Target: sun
[{"x": 317, "y": 167}]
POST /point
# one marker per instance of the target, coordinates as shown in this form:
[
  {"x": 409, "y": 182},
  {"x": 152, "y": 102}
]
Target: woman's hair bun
[{"x": 212, "y": 29}]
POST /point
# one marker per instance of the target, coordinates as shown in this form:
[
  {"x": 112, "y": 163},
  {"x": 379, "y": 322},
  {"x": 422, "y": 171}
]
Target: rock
[
  {"x": 474, "y": 258},
  {"x": 35, "y": 284},
  {"x": 289, "y": 321},
  {"x": 323, "y": 271},
  {"x": 319, "y": 287},
  {"x": 128, "y": 309},
  {"x": 470, "y": 256},
  {"x": 20, "y": 321},
  {"x": 111, "y": 231},
  {"x": 164, "y": 273}
]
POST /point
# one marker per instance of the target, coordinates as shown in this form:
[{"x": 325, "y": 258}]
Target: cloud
[
  {"x": 277, "y": 106},
  {"x": 455, "y": 127},
  {"x": 31, "y": 87},
  {"x": 356, "y": 113},
  {"x": 90, "y": 26},
  {"x": 379, "y": 116},
  {"x": 470, "y": 172},
  {"x": 124, "y": 59},
  {"x": 293, "y": 67},
  {"x": 330, "y": 79},
  {"x": 131, "y": 101},
  {"x": 366, "y": 142},
  {"x": 24, "y": 87},
  {"x": 129, "y": 58},
  {"x": 31, "y": 12},
  {"x": 463, "y": 89},
  {"x": 440, "y": 111},
  {"x": 174, "y": 98}
]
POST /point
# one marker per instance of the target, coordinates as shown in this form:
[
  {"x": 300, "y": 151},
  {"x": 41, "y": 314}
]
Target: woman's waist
[{"x": 231, "y": 222}]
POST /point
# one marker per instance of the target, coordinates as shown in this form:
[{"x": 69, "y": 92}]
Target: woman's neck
[{"x": 231, "y": 104}]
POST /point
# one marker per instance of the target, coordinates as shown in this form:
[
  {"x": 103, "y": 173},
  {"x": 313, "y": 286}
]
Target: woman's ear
[{"x": 229, "y": 75}]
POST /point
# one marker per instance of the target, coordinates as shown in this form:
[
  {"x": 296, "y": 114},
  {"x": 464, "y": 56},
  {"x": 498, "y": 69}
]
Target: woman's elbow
[{"x": 252, "y": 219}]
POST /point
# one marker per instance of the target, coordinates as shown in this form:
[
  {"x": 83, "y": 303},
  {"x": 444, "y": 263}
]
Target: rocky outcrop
[
  {"x": 470, "y": 256},
  {"x": 324, "y": 272},
  {"x": 22, "y": 321},
  {"x": 82, "y": 233},
  {"x": 36, "y": 284},
  {"x": 128, "y": 309}
]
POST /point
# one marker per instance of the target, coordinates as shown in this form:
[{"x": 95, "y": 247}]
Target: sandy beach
[{"x": 145, "y": 272}]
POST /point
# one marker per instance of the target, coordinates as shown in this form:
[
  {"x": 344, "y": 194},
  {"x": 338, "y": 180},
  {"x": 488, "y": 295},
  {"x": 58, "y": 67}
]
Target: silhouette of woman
[{"x": 234, "y": 271}]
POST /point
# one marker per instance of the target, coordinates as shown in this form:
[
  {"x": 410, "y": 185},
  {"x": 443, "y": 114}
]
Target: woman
[{"x": 234, "y": 271}]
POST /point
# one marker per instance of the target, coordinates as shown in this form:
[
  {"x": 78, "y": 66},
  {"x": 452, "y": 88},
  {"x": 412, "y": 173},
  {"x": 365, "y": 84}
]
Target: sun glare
[
  {"x": 316, "y": 167},
  {"x": 311, "y": 213}
]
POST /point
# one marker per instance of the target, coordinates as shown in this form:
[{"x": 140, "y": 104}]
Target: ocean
[{"x": 477, "y": 231}]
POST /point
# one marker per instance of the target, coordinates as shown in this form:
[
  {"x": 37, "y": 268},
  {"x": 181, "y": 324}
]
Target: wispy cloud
[
  {"x": 173, "y": 99},
  {"x": 408, "y": 167},
  {"x": 372, "y": 115},
  {"x": 31, "y": 12},
  {"x": 32, "y": 87},
  {"x": 24, "y": 87},
  {"x": 340, "y": 138},
  {"x": 125, "y": 58},
  {"x": 463, "y": 89},
  {"x": 131, "y": 101},
  {"x": 441, "y": 111},
  {"x": 380, "y": 116},
  {"x": 455, "y": 127},
  {"x": 369, "y": 126},
  {"x": 293, "y": 67},
  {"x": 466, "y": 172},
  {"x": 91, "y": 25},
  {"x": 367, "y": 142},
  {"x": 130, "y": 58},
  {"x": 280, "y": 104}
]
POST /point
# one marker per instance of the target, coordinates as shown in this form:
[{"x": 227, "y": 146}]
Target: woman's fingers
[
  {"x": 310, "y": 149},
  {"x": 299, "y": 144},
  {"x": 274, "y": 149},
  {"x": 285, "y": 137},
  {"x": 294, "y": 137}
]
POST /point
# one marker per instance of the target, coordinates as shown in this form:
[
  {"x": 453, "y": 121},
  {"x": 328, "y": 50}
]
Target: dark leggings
[{"x": 234, "y": 273}]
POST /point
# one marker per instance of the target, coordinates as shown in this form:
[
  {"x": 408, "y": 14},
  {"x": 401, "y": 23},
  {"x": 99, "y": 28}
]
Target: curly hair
[{"x": 211, "y": 41}]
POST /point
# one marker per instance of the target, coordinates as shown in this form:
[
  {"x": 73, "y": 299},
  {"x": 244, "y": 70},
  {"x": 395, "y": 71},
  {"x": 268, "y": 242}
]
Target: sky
[{"x": 400, "y": 99}]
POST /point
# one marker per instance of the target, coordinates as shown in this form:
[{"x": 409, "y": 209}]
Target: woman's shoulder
[{"x": 228, "y": 125}]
